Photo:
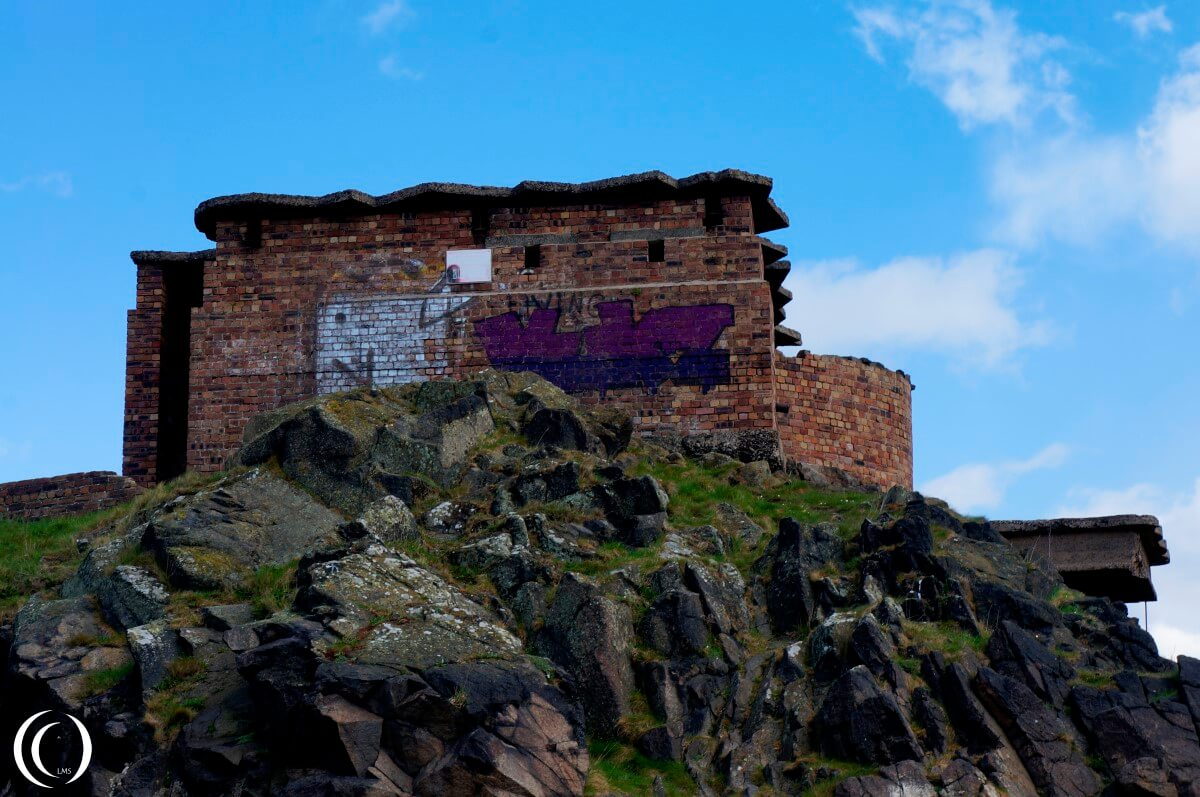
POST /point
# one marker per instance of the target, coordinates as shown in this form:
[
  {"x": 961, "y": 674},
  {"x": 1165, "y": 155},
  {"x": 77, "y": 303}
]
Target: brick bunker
[{"x": 654, "y": 294}]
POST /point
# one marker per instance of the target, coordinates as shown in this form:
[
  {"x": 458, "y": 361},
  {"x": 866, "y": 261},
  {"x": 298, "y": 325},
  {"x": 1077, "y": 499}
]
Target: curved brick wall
[
  {"x": 69, "y": 494},
  {"x": 848, "y": 413}
]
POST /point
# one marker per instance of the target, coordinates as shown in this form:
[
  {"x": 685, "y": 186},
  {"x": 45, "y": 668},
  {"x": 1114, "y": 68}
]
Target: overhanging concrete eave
[
  {"x": 158, "y": 257},
  {"x": 1146, "y": 526},
  {"x": 641, "y": 186}
]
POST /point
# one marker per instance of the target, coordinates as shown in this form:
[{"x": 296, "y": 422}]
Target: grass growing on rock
[
  {"x": 100, "y": 681},
  {"x": 38, "y": 554},
  {"x": 838, "y": 771},
  {"x": 269, "y": 589},
  {"x": 618, "y": 767},
  {"x": 946, "y": 637},
  {"x": 696, "y": 489},
  {"x": 177, "y": 700}
]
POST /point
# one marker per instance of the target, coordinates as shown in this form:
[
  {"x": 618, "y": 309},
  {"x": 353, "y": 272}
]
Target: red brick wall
[
  {"x": 261, "y": 337},
  {"x": 297, "y": 306},
  {"x": 70, "y": 494},
  {"x": 846, "y": 412},
  {"x": 143, "y": 341}
]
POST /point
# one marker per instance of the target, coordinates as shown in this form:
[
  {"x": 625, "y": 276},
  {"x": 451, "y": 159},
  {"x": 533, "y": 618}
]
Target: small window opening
[
  {"x": 533, "y": 258},
  {"x": 714, "y": 214},
  {"x": 480, "y": 222},
  {"x": 252, "y": 238},
  {"x": 657, "y": 251}
]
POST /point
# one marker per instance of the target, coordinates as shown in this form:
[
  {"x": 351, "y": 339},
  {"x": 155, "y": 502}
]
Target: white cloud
[
  {"x": 1073, "y": 187},
  {"x": 1068, "y": 183},
  {"x": 982, "y": 486},
  {"x": 1174, "y": 642},
  {"x": 974, "y": 58},
  {"x": 960, "y": 306},
  {"x": 56, "y": 183},
  {"x": 1152, "y": 20},
  {"x": 1179, "y": 513},
  {"x": 1173, "y": 620},
  {"x": 1080, "y": 186},
  {"x": 1168, "y": 152},
  {"x": 389, "y": 66},
  {"x": 389, "y": 14}
]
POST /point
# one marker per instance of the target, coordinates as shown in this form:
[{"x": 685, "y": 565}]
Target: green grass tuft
[
  {"x": 619, "y": 768},
  {"x": 100, "y": 681}
]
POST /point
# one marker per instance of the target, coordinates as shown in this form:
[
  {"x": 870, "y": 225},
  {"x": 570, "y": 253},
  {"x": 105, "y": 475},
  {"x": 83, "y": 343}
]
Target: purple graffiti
[{"x": 670, "y": 343}]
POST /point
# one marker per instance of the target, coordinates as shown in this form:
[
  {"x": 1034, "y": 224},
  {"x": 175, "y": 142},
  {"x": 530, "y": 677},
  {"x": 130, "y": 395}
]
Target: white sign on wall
[{"x": 469, "y": 265}]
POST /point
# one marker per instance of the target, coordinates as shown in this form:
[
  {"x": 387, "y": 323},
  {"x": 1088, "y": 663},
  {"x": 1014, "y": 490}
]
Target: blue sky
[{"x": 1002, "y": 198}]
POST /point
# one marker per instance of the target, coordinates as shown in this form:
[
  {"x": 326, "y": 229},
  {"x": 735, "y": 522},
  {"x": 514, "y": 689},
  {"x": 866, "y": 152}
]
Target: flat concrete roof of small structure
[
  {"x": 644, "y": 185},
  {"x": 1146, "y": 526},
  {"x": 158, "y": 257}
]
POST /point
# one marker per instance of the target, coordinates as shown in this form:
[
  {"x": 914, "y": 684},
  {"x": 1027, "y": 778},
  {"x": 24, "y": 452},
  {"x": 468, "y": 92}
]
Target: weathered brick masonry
[
  {"x": 847, "y": 412},
  {"x": 655, "y": 294},
  {"x": 70, "y": 494}
]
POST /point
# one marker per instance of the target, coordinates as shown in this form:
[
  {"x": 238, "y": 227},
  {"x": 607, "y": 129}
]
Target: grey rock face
[
  {"x": 1045, "y": 742},
  {"x": 389, "y": 520},
  {"x": 791, "y": 557},
  {"x": 215, "y": 538},
  {"x": 590, "y": 636},
  {"x": 55, "y": 648},
  {"x": 861, "y": 722},
  {"x": 401, "y": 613},
  {"x": 223, "y": 617},
  {"x": 923, "y": 647},
  {"x": 154, "y": 646},
  {"x": 353, "y": 449}
]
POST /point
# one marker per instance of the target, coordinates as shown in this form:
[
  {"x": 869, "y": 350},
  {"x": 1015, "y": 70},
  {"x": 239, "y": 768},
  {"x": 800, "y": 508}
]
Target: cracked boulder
[
  {"x": 389, "y": 610},
  {"x": 217, "y": 537},
  {"x": 859, "y": 721},
  {"x": 591, "y": 636}
]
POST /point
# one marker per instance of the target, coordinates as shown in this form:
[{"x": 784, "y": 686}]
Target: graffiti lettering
[
  {"x": 385, "y": 340},
  {"x": 669, "y": 343}
]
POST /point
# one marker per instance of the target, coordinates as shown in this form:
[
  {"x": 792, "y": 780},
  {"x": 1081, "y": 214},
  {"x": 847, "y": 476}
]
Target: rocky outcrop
[{"x": 457, "y": 588}]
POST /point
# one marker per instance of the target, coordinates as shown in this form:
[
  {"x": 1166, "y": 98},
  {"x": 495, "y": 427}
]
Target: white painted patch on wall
[
  {"x": 384, "y": 341},
  {"x": 469, "y": 265}
]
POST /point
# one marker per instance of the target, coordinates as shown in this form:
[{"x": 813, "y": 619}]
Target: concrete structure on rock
[
  {"x": 1109, "y": 556},
  {"x": 654, "y": 294}
]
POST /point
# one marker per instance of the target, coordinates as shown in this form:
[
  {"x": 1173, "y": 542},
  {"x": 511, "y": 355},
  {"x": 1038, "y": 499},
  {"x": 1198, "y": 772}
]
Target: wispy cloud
[
  {"x": 981, "y": 486},
  {"x": 848, "y": 308},
  {"x": 1144, "y": 23},
  {"x": 389, "y": 14},
  {"x": 1080, "y": 186},
  {"x": 389, "y": 66},
  {"x": 1061, "y": 181},
  {"x": 1179, "y": 513},
  {"x": 974, "y": 58},
  {"x": 56, "y": 183}
]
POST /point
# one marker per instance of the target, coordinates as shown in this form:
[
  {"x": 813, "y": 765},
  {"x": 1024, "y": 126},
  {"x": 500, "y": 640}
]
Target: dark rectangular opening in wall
[
  {"x": 657, "y": 251},
  {"x": 252, "y": 239},
  {"x": 183, "y": 289},
  {"x": 714, "y": 213},
  {"x": 480, "y": 221},
  {"x": 533, "y": 257}
]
